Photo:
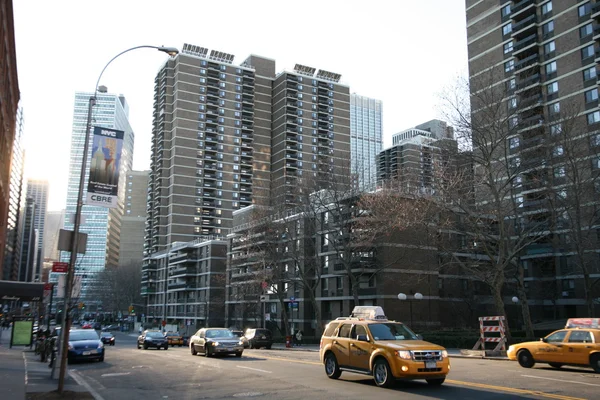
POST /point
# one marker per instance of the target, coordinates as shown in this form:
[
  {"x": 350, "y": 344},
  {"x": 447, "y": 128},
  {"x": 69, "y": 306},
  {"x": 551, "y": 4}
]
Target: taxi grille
[{"x": 427, "y": 355}]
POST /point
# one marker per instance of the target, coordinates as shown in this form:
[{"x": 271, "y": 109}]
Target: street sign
[
  {"x": 292, "y": 299},
  {"x": 263, "y": 297},
  {"x": 60, "y": 267},
  {"x": 264, "y": 285},
  {"x": 267, "y": 317}
]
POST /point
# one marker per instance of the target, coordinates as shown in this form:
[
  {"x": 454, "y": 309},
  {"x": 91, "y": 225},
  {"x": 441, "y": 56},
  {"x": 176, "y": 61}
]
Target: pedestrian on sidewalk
[{"x": 299, "y": 337}]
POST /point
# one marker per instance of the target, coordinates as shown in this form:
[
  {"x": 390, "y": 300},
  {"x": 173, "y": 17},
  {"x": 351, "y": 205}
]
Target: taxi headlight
[
  {"x": 444, "y": 353},
  {"x": 511, "y": 348},
  {"x": 404, "y": 354}
]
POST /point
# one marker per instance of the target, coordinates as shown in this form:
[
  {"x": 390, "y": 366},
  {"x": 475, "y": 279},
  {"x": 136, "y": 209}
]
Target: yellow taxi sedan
[
  {"x": 174, "y": 338},
  {"x": 578, "y": 344}
]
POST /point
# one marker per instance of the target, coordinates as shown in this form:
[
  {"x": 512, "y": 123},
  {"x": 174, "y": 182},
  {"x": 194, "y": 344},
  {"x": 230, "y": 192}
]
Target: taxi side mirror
[
  {"x": 362, "y": 338},
  {"x": 543, "y": 339}
]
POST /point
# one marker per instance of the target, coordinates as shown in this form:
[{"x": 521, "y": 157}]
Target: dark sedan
[
  {"x": 85, "y": 345},
  {"x": 257, "y": 338},
  {"x": 107, "y": 338},
  {"x": 152, "y": 339},
  {"x": 212, "y": 341}
]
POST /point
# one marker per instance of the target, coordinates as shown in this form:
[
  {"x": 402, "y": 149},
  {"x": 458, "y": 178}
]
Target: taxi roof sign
[
  {"x": 583, "y": 323},
  {"x": 368, "y": 312}
]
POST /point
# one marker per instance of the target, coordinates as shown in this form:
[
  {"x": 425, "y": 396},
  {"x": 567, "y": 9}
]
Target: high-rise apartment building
[
  {"x": 28, "y": 233},
  {"x": 227, "y": 136},
  {"x": 12, "y": 246},
  {"x": 38, "y": 191},
  {"x": 538, "y": 60},
  {"x": 366, "y": 138},
  {"x": 110, "y": 111},
  {"x": 9, "y": 100},
  {"x": 131, "y": 243}
]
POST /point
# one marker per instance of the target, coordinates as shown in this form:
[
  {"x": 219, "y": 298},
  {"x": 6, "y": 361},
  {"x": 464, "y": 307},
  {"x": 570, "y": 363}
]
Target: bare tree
[{"x": 118, "y": 288}]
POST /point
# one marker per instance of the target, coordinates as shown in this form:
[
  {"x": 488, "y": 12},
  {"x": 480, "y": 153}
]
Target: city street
[{"x": 128, "y": 373}]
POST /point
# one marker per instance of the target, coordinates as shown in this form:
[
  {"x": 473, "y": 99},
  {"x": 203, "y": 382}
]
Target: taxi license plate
[
  {"x": 430, "y": 364},
  {"x": 87, "y": 353}
]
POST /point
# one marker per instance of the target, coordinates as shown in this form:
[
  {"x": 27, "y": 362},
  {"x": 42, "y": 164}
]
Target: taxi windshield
[{"x": 391, "y": 331}]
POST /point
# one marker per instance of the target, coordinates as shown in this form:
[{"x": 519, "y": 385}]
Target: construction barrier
[{"x": 494, "y": 326}]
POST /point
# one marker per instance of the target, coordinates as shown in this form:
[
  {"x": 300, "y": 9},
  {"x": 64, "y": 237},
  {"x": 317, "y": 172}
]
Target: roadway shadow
[
  {"x": 446, "y": 391},
  {"x": 568, "y": 368}
]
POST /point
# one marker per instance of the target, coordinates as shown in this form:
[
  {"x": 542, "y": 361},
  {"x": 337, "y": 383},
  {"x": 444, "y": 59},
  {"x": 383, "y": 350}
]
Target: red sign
[
  {"x": 164, "y": 323},
  {"x": 60, "y": 267},
  {"x": 264, "y": 285},
  {"x": 47, "y": 286}
]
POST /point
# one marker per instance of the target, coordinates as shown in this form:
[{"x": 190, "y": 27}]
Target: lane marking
[
  {"x": 513, "y": 390},
  {"x": 25, "y": 362},
  {"x": 560, "y": 380},
  {"x": 288, "y": 360},
  {"x": 115, "y": 374},
  {"x": 255, "y": 369},
  {"x": 80, "y": 381}
]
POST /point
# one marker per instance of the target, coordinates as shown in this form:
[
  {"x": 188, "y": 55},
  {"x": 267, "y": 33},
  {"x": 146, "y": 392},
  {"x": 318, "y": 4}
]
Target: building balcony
[
  {"x": 526, "y": 43},
  {"x": 527, "y": 61},
  {"x": 523, "y": 8},
  {"x": 524, "y": 26},
  {"x": 181, "y": 286}
]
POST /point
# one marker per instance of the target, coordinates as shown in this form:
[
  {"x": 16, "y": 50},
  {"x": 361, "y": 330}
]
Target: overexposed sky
[{"x": 399, "y": 51}]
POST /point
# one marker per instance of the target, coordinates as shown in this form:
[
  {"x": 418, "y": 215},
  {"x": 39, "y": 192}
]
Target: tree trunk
[
  {"x": 354, "y": 283},
  {"x": 317, "y": 311},
  {"x": 524, "y": 302},
  {"x": 499, "y": 304},
  {"x": 284, "y": 316}
]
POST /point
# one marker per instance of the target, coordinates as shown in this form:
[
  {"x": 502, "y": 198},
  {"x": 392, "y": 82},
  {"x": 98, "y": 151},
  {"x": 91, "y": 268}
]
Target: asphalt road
[{"x": 128, "y": 373}]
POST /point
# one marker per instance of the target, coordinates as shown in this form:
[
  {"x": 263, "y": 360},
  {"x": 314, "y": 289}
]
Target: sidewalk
[{"x": 24, "y": 376}]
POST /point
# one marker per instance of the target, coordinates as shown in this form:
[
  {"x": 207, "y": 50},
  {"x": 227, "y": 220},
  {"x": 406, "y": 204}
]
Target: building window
[
  {"x": 509, "y": 65},
  {"x": 560, "y": 172},
  {"x": 585, "y": 30},
  {"x": 508, "y": 47},
  {"x": 555, "y": 129},
  {"x": 587, "y": 51},
  {"x": 591, "y": 95},
  {"x": 512, "y": 103},
  {"x": 552, "y": 88},
  {"x": 554, "y": 108},
  {"x": 548, "y": 27},
  {"x": 513, "y": 142},
  {"x": 506, "y": 10},
  {"x": 546, "y": 7},
  {"x": 589, "y": 73},
  {"x": 596, "y": 140},
  {"x": 549, "y": 47},
  {"x": 551, "y": 68},
  {"x": 558, "y": 151},
  {"x": 584, "y": 9},
  {"x": 512, "y": 84},
  {"x": 593, "y": 118},
  {"x": 506, "y": 29}
]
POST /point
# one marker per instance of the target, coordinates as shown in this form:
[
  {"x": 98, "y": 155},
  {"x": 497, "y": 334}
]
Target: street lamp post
[
  {"x": 515, "y": 300},
  {"x": 416, "y": 296},
  {"x": 77, "y": 220}
]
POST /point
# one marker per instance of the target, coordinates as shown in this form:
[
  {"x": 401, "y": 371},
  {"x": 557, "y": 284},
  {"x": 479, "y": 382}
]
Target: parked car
[
  {"x": 240, "y": 334},
  {"x": 84, "y": 344},
  {"x": 212, "y": 341},
  {"x": 86, "y": 325},
  {"x": 152, "y": 338},
  {"x": 97, "y": 325},
  {"x": 258, "y": 337},
  {"x": 174, "y": 338},
  {"x": 107, "y": 338}
]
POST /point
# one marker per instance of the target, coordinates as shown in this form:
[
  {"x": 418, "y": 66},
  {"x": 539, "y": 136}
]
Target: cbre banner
[{"x": 103, "y": 183}]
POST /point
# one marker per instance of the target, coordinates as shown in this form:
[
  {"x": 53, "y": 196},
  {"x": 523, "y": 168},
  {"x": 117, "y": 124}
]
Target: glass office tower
[{"x": 365, "y": 139}]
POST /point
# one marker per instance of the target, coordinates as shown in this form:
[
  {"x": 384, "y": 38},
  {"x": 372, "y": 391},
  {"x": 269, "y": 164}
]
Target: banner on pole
[{"x": 103, "y": 182}]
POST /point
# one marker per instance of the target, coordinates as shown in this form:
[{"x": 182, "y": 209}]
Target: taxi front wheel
[
  {"x": 595, "y": 362},
  {"x": 525, "y": 359},
  {"x": 332, "y": 369},
  {"x": 382, "y": 373}
]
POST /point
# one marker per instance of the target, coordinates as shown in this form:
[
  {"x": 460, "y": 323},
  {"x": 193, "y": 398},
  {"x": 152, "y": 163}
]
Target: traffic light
[
  {"x": 131, "y": 310},
  {"x": 82, "y": 306}
]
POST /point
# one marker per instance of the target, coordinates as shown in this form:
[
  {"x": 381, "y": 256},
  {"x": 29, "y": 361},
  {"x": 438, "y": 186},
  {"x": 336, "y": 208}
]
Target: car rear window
[
  {"x": 265, "y": 332},
  {"x": 330, "y": 328}
]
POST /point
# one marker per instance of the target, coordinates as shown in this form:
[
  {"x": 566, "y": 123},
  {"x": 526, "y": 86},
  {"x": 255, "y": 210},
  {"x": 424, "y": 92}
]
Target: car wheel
[
  {"x": 145, "y": 346},
  {"x": 193, "y": 350},
  {"x": 435, "y": 382},
  {"x": 525, "y": 359},
  {"x": 166, "y": 347},
  {"x": 382, "y": 373},
  {"x": 555, "y": 365},
  {"x": 138, "y": 346},
  {"x": 332, "y": 369},
  {"x": 180, "y": 345},
  {"x": 268, "y": 347},
  {"x": 101, "y": 359},
  {"x": 207, "y": 352},
  {"x": 595, "y": 362},
  {"x": 238, "y": 354}
]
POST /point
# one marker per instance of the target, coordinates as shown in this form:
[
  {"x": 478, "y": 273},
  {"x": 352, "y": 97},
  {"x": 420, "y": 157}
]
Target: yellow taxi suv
[
  {"x": 578, "y": 344},
  {"x": 368, "y": 343}
]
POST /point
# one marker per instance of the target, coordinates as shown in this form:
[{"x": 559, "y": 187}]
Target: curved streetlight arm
[{"x": 77, "y": 218}]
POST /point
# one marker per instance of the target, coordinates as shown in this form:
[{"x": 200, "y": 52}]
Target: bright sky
[{"x": 401, "y": 52}]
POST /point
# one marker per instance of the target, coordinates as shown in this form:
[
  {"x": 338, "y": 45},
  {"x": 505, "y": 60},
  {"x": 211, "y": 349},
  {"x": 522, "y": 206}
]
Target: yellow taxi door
[
  {"x": 360, "y": 351},
  {"x": 552, "y": 348},
  {"x": 579, "y": 344},
  {"x": 340, "y": 345}
]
